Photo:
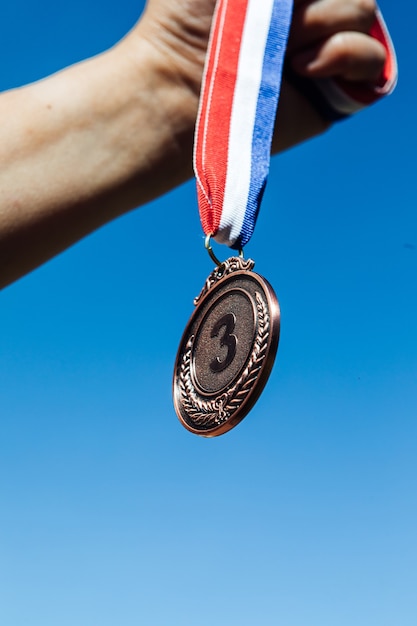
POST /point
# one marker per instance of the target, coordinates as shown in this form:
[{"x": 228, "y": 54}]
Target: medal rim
[{"x": 265, "y": 370}]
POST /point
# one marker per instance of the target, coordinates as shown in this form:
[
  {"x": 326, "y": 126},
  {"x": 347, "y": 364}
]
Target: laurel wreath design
[{"x": 219, "y": 410}]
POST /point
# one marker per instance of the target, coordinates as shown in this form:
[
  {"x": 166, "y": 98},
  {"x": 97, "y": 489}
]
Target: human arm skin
[{"x": 98, "y": 139}]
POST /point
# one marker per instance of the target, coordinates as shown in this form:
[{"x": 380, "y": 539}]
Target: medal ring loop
[{"x": 209, "y": 249}]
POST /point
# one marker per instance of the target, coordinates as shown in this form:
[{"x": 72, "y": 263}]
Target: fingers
[
  {"x": 330, "y": 38},
  {"x": 315, "y": 20},
  {"x": 349, "y": 55}
]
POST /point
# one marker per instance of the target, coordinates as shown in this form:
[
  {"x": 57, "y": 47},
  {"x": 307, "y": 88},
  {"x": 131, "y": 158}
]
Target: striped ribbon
[
  {"x": 235, "y": 123},
  {"x": 238, "y": 102}
]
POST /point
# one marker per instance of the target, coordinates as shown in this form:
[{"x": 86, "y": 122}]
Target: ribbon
[{"x": 238, "y": 103}]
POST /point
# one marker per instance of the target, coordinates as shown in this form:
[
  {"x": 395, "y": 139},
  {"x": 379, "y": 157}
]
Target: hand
[{"x": 329, "y": 38}]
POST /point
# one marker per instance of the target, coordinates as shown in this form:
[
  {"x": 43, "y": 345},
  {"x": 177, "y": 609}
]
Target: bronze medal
[{"x": 227, "y": 350}]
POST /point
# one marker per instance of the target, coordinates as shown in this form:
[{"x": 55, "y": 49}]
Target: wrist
[{"x": 165, "y": 94}]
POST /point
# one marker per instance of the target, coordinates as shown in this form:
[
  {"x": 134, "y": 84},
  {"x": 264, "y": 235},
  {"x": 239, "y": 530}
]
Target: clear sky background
[{"x": 306, "y": 514}]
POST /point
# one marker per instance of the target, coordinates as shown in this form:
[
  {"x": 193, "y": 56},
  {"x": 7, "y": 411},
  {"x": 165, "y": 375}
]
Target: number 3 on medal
[{"x": 229, "y": 340}]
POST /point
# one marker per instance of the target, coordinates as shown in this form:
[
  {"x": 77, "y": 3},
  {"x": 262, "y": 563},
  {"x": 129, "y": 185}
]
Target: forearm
[
  {"x": 110, "y": 134},
  {"x": 83, "y": 147}
]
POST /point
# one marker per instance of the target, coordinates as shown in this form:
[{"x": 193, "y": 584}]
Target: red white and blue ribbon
[{"x": 238, "y": 104}]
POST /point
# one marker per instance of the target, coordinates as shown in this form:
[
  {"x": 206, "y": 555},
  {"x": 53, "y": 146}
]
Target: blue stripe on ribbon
[{"x": 265, "y": 113}]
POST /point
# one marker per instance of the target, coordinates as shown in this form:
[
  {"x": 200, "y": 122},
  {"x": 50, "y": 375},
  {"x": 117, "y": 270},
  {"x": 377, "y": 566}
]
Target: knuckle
[
  {"x": 365, "y": 11},
  {"x": 342, "y": 49}
]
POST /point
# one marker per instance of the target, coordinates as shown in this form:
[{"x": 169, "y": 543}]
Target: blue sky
[{"x": 304, "y": 515}]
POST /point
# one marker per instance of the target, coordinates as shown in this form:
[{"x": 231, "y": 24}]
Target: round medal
[{"x": 227, "y": 350}]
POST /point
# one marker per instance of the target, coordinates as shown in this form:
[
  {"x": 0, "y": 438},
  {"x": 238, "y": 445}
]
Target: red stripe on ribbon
[{"x": 212, "y": 134}]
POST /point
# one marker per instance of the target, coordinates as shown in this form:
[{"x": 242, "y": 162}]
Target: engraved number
[{"x": 228, "y": 322}]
